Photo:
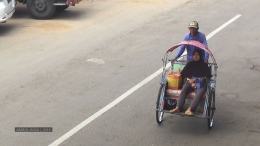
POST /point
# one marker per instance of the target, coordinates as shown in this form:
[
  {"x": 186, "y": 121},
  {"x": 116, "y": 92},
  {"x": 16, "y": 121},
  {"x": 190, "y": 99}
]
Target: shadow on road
[
  {"x": 6, "y": 29},
  {"x": 68, "y": 15},
  {"x": 227, "y": 121}
]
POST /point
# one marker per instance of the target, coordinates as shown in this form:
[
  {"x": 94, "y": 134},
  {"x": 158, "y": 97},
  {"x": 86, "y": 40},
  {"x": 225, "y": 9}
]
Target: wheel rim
[
  {"x": 160, "y": 105},
  {"x": 160, "y": 116},
  {"x": 211, "y": 111},
  {"x": 211, "y": 119},
  {"x": 40, "y": 5}
]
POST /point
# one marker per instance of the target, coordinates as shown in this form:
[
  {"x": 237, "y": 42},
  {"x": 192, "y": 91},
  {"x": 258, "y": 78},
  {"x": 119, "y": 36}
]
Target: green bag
[{"x": 176, "y": 67}]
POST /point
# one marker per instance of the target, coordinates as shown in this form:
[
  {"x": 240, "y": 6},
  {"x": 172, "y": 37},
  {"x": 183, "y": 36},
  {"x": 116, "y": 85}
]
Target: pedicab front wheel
[{"x": 160, "y": 104}]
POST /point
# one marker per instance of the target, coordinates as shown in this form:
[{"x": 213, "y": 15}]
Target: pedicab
[{"x": 168, "y": 98}]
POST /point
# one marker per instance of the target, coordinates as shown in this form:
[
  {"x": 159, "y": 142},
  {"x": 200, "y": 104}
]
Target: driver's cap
[{"x": 194, "y": 24}]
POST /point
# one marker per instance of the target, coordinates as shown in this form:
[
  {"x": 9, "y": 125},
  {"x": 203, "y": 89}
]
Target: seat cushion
[{"x": 176, "y": 93}]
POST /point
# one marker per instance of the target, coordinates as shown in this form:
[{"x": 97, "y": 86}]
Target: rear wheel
[
  {"x": 160, "y": 104},
  {"x": 211, "y": 108},
  {"x": 61, "y": 8},
  {"x": 41, "y": 9}
]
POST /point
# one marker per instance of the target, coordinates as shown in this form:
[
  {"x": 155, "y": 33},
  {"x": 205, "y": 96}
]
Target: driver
[{"x": 194, "y": 35}]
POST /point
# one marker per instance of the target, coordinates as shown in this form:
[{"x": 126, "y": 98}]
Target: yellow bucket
[{"x": 174, "y": 80}]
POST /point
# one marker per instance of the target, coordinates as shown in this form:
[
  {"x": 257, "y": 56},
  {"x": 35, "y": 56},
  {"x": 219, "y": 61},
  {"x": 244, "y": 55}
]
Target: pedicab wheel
[
  {"x": 160, "y": 104},
  {"x": 211, "y": 108}
]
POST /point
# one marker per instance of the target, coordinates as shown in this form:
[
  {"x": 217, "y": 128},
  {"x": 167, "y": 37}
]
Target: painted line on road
[
  {"x": 123, "y": 96},
  {"x": 222, "y": 26}
]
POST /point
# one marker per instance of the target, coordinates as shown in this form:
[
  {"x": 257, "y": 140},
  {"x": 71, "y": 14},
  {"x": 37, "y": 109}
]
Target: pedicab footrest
[
  {"x": 197, "y": 115},
  {"x": 176, "y": 93}
]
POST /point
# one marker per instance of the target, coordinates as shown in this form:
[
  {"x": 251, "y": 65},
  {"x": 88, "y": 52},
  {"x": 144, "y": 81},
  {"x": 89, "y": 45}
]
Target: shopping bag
[
  {"x": 174, "y": 80},
  {"x": 176, "y": 67},
  {"x": 200, "y": 82}
]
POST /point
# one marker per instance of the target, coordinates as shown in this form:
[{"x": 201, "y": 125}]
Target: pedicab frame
[{"x": 209, "y": 104}]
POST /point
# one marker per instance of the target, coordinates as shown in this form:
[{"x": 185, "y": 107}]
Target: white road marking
[
  {"x": 123, "y": 96},
  {"x": 96, "y": 60},
  {"x": 222, "y": 26}
]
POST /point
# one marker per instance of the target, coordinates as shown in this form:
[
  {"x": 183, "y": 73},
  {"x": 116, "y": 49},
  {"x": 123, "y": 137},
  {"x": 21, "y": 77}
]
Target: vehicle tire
[
  {"x": 160, "y": 104},
  {"x": 41, "y": 9},
  {"x": 61, "y": 8},
  {"x": 211, "y": 108}
]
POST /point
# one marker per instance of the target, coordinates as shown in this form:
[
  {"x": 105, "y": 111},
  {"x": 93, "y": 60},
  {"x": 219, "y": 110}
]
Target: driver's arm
[
  {"x": 182, "y": 48},
  {"x": 180, "y": 51},
  {"x": 205, "y": 43}
]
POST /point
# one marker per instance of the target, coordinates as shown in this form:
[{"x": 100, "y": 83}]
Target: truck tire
[
  {"x": 41, "y": 9},
  {"x": 61, "y": 8}
]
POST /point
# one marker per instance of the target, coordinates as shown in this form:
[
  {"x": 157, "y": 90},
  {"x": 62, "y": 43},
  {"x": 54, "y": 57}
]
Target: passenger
[{"x": 196, "y": 68}]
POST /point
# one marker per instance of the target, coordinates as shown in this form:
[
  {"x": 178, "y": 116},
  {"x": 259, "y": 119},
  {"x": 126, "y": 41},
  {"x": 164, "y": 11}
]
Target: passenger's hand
[
  {"x": 206, "y": 61},
  {"x": 191, "y": 81},
  {"x": 193, "y": 85},
  {"x": 188, "y": 80}
]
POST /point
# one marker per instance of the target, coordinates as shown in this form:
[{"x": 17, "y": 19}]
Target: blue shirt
[{"x": 200, "y": 37}]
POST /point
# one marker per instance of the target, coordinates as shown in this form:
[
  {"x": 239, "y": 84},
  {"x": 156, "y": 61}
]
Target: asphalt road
[{"x": 59, "y": 72}]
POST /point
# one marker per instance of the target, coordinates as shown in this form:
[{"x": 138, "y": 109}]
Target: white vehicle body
[{"x": 7, "y": 8}]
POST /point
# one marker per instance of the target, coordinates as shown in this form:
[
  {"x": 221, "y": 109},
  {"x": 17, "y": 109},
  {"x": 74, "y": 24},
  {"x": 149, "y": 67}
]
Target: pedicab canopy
[{"x": 193, "y": 43}]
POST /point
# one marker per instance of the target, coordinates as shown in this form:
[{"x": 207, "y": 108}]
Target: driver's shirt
[{"x": 200, "y": 37}]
